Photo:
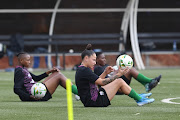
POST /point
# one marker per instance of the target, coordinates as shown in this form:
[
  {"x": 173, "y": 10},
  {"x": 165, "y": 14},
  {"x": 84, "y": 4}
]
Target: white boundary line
[{"x": 168, "y": 100}]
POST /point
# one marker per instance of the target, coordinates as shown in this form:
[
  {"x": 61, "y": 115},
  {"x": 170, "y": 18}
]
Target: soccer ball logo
[
  {"x": 38, "y": 90},
  {"x": 124, "y": 61}
]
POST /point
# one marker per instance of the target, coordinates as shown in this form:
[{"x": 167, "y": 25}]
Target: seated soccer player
[
  {"x": 24, "y": 80},
  {"x": 87, "y": 82},
  {"x": 145, "y": 81}
]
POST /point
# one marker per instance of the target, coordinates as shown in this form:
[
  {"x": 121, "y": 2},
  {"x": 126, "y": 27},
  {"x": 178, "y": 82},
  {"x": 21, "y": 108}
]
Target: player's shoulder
[
  {"x": 18, "y": 69},
  {"x": 83, "y": 69},
  {"x": 98, "y": 68}
]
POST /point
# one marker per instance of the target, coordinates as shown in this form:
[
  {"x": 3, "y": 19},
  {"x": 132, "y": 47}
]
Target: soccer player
[
  {"x": 145, "y": 81},
  {"x": 87, "y": 82},
  {"x": 24, "y": 80}
]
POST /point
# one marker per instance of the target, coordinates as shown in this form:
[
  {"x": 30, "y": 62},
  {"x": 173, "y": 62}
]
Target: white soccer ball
[
  {"x": 124, "y": 61},
  {"x": 38, "y": 90}
]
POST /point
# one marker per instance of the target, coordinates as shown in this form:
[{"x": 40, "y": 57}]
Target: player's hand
[
  {"x": 126, "y": 70},
  {"x": 54, "y": 69},
  {"x": 109, "y": 69},
  {"x": 123, "y": 71}
]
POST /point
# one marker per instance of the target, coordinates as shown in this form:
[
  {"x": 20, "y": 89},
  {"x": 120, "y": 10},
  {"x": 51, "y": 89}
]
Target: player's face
[
  {"x": 25, "y": 61},
  {"x": 101, "y": 60},
  {"x": 92, "y": 61}
]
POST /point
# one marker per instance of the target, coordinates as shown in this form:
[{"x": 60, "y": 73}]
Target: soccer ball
[
  {"x": 38, "y": 90},
  {"x": 124, "y": 61}
]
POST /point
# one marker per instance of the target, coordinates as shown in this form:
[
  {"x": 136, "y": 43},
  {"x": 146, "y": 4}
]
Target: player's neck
[
  {"x": 20, "y": 65},
  {"x": 84, "y": 64}
]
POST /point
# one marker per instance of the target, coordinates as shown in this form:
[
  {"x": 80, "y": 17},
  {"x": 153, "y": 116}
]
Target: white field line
[{"x": 168, "y": 100}]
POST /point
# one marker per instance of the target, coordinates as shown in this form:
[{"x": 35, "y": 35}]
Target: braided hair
[{"x": 21, "y": 54}]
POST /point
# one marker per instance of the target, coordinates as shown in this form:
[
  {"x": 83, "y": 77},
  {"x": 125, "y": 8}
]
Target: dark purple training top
[
  {"x": 23, "y": 81},
  {"x": 87, "y": 89}
]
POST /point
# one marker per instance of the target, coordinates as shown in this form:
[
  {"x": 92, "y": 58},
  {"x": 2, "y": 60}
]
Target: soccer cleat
[
  {"x": 145, "y": 95},
  {"x": 77, "y": 97},
  {"x": 144, "y": 101},
  {"x": 152, "y": 84}
]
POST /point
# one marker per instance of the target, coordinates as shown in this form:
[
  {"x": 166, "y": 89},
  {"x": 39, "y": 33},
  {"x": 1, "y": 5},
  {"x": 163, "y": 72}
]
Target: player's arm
[
  {"x": 38, "y": 77},
  {"x": 108, "y": 80},
  {"x": 108, "y": 70},
  {"x": 103, "y": 75},
  {"x": 42, "y": 76}
]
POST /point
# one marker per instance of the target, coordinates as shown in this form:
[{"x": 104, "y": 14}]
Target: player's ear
[
  {"x": 21, "y": 60},
  {"x": 86, "y": 58}
]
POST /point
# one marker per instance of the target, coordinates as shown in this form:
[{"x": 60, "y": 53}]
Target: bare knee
[
  {"x": 55, "y": 73},
  {"x": 120, "y": 82}
]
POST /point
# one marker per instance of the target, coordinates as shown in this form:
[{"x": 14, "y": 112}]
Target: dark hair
[
  {"x": 87, "y": 52},
  {"x": 98, "y": 54},
  {"x": 19, "y": 55},
  {"x": 121, "y": 53}
]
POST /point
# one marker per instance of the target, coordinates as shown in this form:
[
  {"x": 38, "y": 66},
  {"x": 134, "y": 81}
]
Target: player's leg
[
  {"x": 63, "y": 83},
  {"x": 131, "y": 74},
  {"x": 140, "y": 77},
  {"x": 114, "y": 86},
  {"x": 142, "y": 94},
  {"x": 154, "y": 82},
  {"x": 55, "y": 79},
  {"x": 119, "y": 84},
  {"x": 128, "y": 76},
  {"x": 49, "y": 77},
  {"x": 52, "y": 82},
  {"x": 149, "y": 83}
]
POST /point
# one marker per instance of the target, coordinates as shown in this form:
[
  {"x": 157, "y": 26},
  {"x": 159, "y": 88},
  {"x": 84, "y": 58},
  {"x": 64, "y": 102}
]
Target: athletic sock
[
  {"x": 134, "y": 95},
  {"x": 74, "y": 89},
  {"x": 143, "y": 79}
]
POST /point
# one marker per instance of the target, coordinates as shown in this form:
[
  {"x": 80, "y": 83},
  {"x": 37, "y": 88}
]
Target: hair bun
[{"x": 89, "y": 47}]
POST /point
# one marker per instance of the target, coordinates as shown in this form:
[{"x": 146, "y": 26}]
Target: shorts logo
[
  {"x": 29, "y": 75},
  {"x": 32, "y": 81},
  {"x": 101, "y": 93}
]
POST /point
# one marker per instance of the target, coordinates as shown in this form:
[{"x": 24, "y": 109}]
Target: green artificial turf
[{"x": 122, "y": 107}]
